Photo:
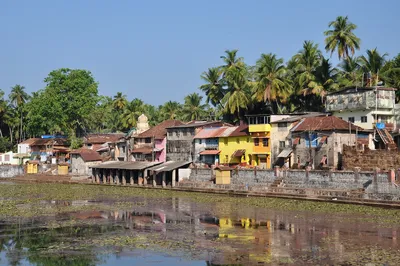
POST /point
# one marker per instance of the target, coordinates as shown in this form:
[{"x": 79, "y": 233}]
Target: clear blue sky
[{"x": 156, "y": 50}]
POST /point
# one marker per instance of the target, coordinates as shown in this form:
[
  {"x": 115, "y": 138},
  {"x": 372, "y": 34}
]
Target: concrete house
[
  {"x": 281, "y": 146},
  {"x": 151, "y": 144},
  {"x": 82, "y": 160},
  {"x": 318, "y": 141},
  {"x": 180, "y": 146},
  {"x": 206, "y": 148},
  {"x": 102, "y": 143}
]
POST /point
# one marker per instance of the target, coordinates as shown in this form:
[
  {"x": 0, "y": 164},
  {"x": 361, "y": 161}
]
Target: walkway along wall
[{"x": 368, "y": 159}]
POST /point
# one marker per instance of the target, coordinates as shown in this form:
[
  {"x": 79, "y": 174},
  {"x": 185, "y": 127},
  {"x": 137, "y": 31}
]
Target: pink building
[{"x": 151, "y": 144}]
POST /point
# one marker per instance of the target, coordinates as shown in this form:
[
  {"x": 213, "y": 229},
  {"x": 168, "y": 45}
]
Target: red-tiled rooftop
[
  {"x": 87, "y": 155},
  {"x": 160, "y": 131},
  {"x": 325, "y": 123},
  {"x": 242, "y": 130}
]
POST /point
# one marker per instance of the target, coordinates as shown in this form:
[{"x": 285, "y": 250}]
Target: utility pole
[
  {"x": 310, "y": 148},
  {"x": 152, "y": 149}
]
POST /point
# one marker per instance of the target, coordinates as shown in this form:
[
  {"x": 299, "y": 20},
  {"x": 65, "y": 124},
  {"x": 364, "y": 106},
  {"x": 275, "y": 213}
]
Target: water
[{"x": 180, "y": 230}]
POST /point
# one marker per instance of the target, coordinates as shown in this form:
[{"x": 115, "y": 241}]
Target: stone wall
[
  {"x": 370, "y": 159},
  {"x": 7, "y": 171}
]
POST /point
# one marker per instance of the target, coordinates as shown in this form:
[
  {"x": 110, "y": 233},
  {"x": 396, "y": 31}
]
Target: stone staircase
[
  {"x": 386, "y": 138},
  {"x": 277, "y": 183}
]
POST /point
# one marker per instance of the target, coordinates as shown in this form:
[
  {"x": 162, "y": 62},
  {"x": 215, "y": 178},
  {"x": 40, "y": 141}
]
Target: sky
[{"x": 157, "y": 50}]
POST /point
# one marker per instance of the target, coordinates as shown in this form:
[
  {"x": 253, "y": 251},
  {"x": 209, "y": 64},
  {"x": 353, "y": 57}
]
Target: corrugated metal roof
[
  {"x": 126, "y": 165},
  {"x": 210, "y": 152},
  {"x": 201, "y": 124},
  {"x": 285, "y": 153},
  {"x": 208, "y": 133},
  {"x": 168, "y": 166}
]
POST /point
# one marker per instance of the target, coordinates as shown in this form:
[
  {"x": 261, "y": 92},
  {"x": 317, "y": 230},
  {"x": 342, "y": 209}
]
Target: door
[{"x": 263, "y": 162}]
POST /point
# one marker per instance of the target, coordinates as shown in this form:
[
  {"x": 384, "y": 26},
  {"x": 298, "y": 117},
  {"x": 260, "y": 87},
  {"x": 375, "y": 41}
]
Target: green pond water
[{"x": 54, "y": 224}]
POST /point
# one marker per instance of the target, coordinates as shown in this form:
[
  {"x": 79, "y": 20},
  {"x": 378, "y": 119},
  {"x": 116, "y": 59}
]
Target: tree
[
  {"x": 170, "y": 110},
  {"x": 18, "y": 98},
  {"x": 271, "y": 79},
  {"x": 131, "y": 113},
  {"x": 214, "y": 86},
  {"x": 193, "y": 109},
  {"x": 307, "y": 60},
  {"x": 326, "y": 77},
  {"x": 341, "y": 37},
  {"x": 69, "y": 98},
  {"x": 372, "y": 64},
  {"x": 119, "y": 101},
  {"x": 350, "y": 74}
]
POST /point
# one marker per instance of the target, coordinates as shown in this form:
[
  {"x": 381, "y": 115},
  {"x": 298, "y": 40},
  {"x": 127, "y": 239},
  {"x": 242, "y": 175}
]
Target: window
[
  {"x": 256, "y": 142},
  {"x": 314, "y": 140},
  {"x": 364, "y": 119},
  {"x": 237, "y": 140},
  {"x": 226, "y": 158},
  {"x": 282, "y": 124},
  {"x": 185, "y": 133},
  {"x": 265, "y": 142},
  {"x": 248, "y": 140},
  {"x": 282, "y": 144},
  {"x": 170, "y": 134},
  {"x": 351, "y": 119},
  {"x": 226, "y": 141},
  {"x": 200, "y": 141},
  {"x": 123, "y": 149},
  {"x": 147, "y": 140},
  {"x": 178, "y": 133}
]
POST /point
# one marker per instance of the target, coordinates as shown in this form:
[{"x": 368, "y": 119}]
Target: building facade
[
  {"x": 82, "y": 160},
  {"x": 180, "y": 145},
  {"x": 237, "y": 147},
  {"x": 364, "y": 106},
  {"x": 260, "y": 131}
]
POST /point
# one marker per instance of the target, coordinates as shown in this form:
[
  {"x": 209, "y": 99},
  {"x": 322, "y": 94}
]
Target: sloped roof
[
  {"x": 242, "y": 130},
  {"x": 29, "y": 141},
  {"x": 160, "y": 131},
  {"x": 88, "y": 155},
  {"x": 102, "y": 138},
  {"x": 296, "y": 118},
  {"x": 194, "y": 124},
  {"x": 325, "y": 123},
  {"x": 211, "y": 132}
]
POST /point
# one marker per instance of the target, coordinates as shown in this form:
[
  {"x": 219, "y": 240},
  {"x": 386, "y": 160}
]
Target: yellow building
[
  {"x": 260, "y": 131},
  {"x": 236, "y": 147}
]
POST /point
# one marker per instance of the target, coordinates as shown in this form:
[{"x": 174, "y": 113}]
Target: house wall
[
  {"x": 386, "y": 116},
  {"x": 228, "y": 145},
  {"x": 180, "y": 145},
  {"x": 333, "y": 149},
  {"x": 161, "y": 144},
  {"x": 204, "y": 144},
  {"x": 279, "y": 134},
  {"x": 8, "y": 159},
  {"x": 24, "y": 148},
  {"x": 80, "y": 167}
]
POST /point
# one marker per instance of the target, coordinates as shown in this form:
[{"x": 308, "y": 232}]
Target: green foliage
[{"x": 5, "y": 145}]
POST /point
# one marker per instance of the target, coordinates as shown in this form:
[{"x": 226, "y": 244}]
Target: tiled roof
[
  {"x": 160, "y": 131},
  {"x": 242, "y": 130},
  {"x": 142, "y": 150},
  {"x": 103, "y": 138},
  {"x": 325, "y": 123},
  {"x": 88, "y": 155},
  {"x": 29, "y": 141},
  {"x": 42, "y": 142}
]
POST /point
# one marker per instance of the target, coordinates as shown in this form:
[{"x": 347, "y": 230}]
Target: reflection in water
[{"x": 219, "y": 234}]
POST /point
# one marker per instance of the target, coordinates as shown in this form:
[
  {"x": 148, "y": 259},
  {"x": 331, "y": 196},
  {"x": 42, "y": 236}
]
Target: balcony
[{"x": 259, "y": 128}]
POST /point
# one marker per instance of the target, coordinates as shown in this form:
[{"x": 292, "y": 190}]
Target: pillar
[
  {"x": 357, "y": 171},
  {"x": 110, "y": 176},
  {"x": 375, "y": 181},
  {"x": 173, "y": 177},
  {"x": 164, "y": 177},
  {"x": 308, "y": 169},
  {"x": 141, "y": 173},
  {"x": 123, "y": 177},
  {"x": 276, "y": 171},
  {"x": 131, "y": 177},
  {"x": 103, "y": 176},
  {"x": 154, "y": 179},
  {"x": 330, "y": 174},
  {"x": 391, "y": 176},
  {"x": 116, "y": 179}
]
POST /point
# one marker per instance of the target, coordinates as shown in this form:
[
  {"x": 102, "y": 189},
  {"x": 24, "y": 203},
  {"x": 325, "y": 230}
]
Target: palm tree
[
  {"x": 3, "y": 109},
  {"x": 119, "y": 101},
  {"x": 341, "y": 37},
  {"x": 372, "y": 64},
  {"x": 231, "y": 60},
  {"x": 326, "y": 78},
  {"x": 307, "y": 61},
  {"x": 170, "y": 110},
  {"x": 350, "y": 74},
  {"x": 237, "y": 97},
  {"x": 193, "y": 109},
  {"x": 271, "y": 82},
  {"x": 214, "y": 86},
  {"x": 18, "y": 98},
  {"x": 131, "y": 113}
]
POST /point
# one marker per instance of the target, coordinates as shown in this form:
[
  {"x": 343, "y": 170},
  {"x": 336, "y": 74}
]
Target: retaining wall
[{"x": 7, "y": 171}]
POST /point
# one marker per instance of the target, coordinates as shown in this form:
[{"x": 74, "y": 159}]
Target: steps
[
  {"x": 277, "y": 183},
  {"x": 386, "y": 138}
]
